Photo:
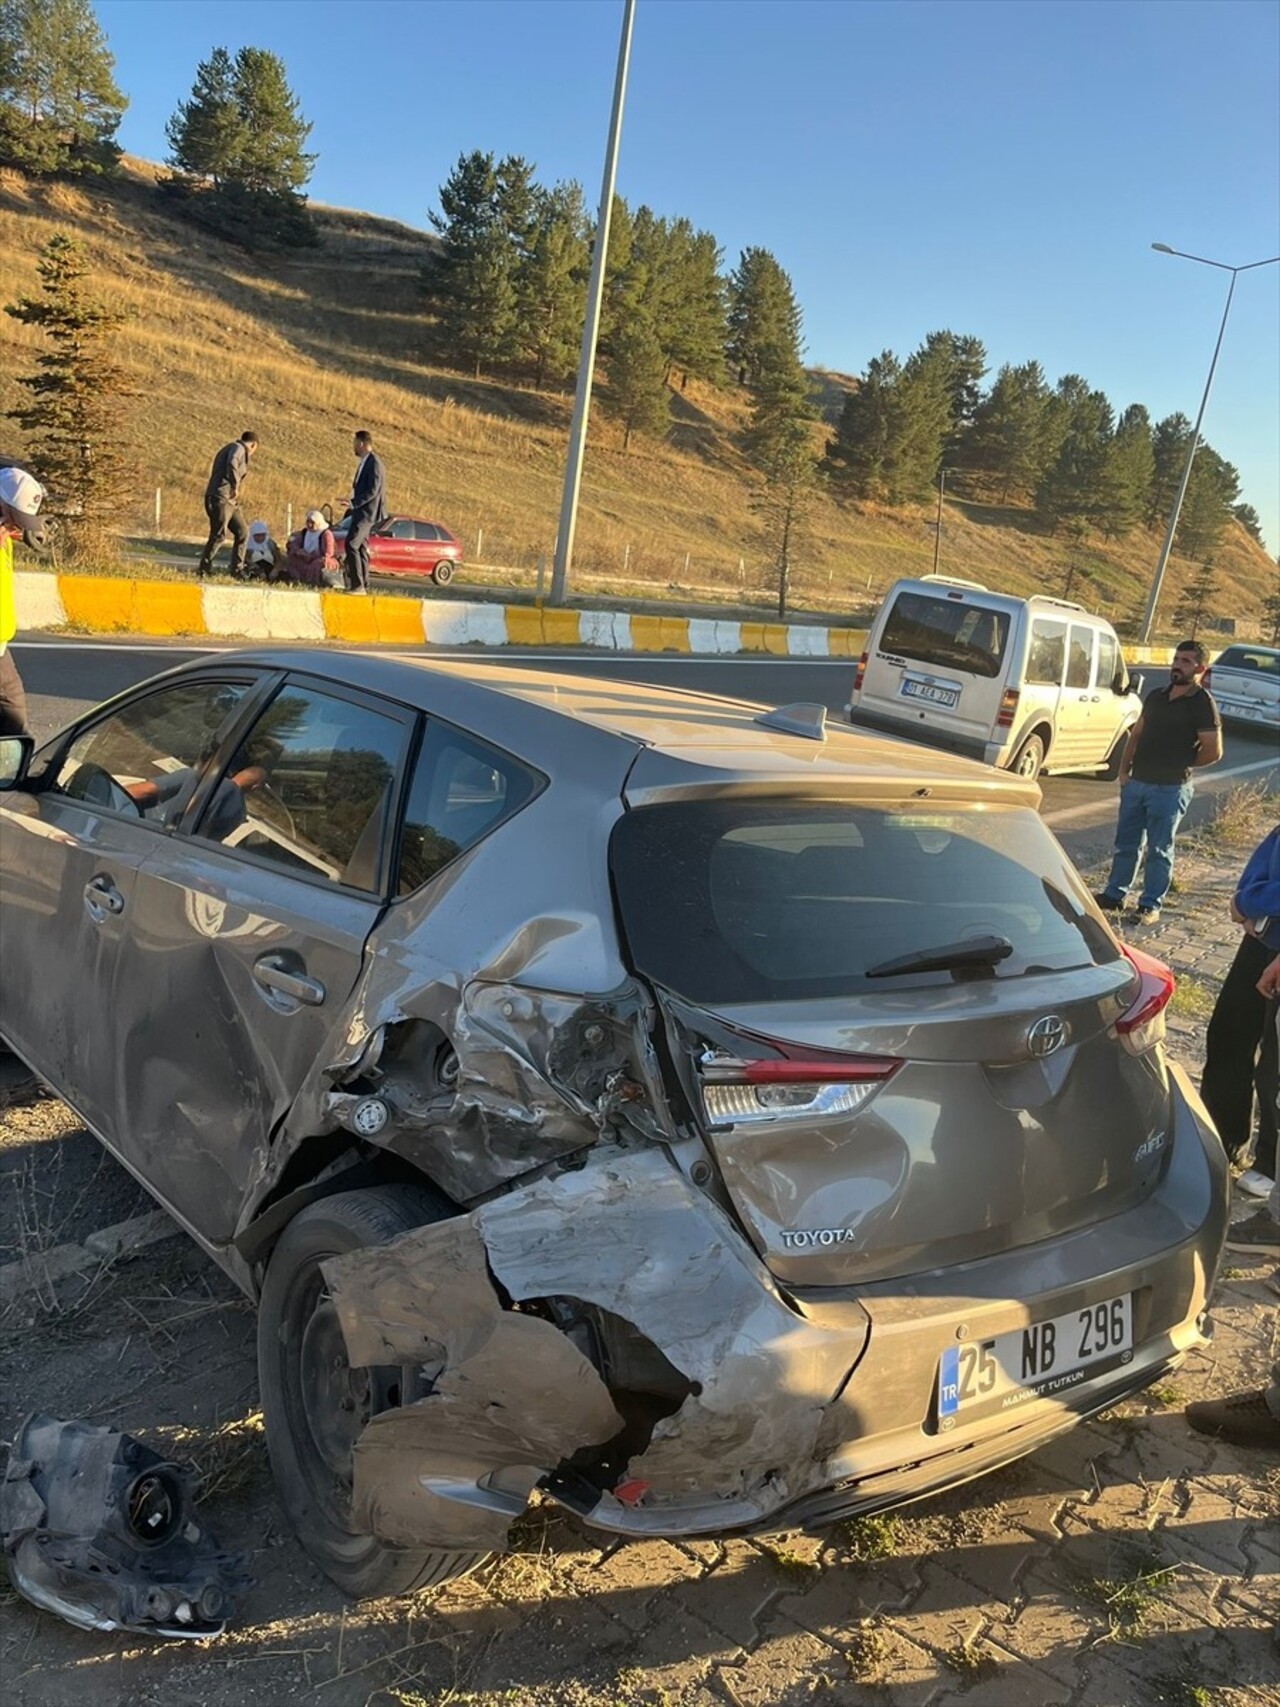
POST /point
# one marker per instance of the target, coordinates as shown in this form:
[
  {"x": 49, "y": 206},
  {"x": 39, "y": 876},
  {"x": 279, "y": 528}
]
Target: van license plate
[
  {"x": 931, "y": 692},
  {"x": 1042, "y": 1361}
]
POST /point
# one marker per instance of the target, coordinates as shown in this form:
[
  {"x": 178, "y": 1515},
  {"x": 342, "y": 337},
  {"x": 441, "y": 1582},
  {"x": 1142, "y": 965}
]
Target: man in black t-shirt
[{"x": 1179, "y": 731}]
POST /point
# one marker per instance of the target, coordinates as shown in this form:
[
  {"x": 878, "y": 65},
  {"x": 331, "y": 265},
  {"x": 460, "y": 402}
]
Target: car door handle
[
  {"x": 101, "y": 897},
  {"x": 271, "y": 975}
]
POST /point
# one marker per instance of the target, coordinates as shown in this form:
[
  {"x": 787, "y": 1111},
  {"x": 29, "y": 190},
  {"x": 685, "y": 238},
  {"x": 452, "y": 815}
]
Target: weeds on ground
[
  {"x": 867, "y": 1649},
  {"x": 867, "y": 1539},
  {"x": 966, "y": 1659},
  {"x": 1237, "y": 816},
  {"x": 1165, "y": 1394},
  {"x": 1128, "y": 1596},
  {"x": 1192, "y": 999},
  {"x": 799, "y": 1566}
]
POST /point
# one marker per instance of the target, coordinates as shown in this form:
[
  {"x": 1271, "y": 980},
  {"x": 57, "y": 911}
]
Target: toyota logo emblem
[{"x": 1046, "y": 1035}]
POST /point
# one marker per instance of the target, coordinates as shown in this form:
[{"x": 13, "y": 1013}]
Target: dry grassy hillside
[{"x": 307, "y": 348}]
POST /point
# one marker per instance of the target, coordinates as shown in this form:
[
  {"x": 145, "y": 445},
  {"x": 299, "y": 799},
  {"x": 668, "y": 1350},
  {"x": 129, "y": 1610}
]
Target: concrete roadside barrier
[{"x": 114, "y": 604}]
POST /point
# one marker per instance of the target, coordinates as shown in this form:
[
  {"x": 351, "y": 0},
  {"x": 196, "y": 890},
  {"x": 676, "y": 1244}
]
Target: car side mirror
[
  {"x": 1120, "y": 681},
  {"x": 15, "y": 759},
  {"x": 1138, "y": 684}
]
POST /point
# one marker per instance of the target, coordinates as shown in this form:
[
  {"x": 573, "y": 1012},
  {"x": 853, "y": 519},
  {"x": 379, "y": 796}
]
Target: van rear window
[{"x": 949, "y": 633}]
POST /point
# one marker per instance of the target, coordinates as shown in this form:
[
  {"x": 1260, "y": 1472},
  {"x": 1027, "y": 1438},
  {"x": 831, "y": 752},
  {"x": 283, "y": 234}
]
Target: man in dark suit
[
  {"x": 368, "y": 511},
  {"x": 222, "y": 502}
]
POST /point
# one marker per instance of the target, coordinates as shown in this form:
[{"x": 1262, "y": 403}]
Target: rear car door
[
  {"x": 252, "y": 932},
  {"x": 71, "y": 847},
  {"x": 940, "y": 662},
  {"x": 396, "y": 548},
  {"x": 1109, "y": 708}
]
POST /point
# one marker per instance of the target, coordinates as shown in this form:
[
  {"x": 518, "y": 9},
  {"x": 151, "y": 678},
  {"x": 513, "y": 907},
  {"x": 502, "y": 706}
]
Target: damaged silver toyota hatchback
[{"x": 717, "y": 1122}]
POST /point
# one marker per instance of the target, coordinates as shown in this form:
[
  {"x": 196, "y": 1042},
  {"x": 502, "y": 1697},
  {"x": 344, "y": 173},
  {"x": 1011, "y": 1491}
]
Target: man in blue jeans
[{"x": 1179, "y": 731}]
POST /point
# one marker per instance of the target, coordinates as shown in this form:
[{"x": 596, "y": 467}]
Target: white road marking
[
  {"x": 1108, "y": 805},
  {"x": 578, "y": 656}
]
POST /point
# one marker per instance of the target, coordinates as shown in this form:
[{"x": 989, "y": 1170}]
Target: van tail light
[
  {"x": 794, "y": 1085},
  {"x": 1008, "y": 708},
  {"x": 1206, "y": 679},
  {"x": 859, "y": 672},
  {"x": 1141, "y": 1026}
]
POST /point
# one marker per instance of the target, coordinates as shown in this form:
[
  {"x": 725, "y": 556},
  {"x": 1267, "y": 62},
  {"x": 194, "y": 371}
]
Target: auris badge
[{"x": 1046, "y": 1035}]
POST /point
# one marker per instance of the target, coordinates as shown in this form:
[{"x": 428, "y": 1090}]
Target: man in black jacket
[
  {"x": 222, "y": 502},
  {"x": 368, "y": 511}
]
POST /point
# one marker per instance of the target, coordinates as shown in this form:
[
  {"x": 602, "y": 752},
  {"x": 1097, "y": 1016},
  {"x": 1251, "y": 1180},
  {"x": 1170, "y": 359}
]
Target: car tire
[
  {"x": 314, "y": 1404},
  {"x": 442, "y": 574},
  {"x": 1028, "y": 761}
]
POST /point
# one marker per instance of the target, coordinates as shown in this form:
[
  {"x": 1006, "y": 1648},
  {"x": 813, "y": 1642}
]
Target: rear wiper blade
[{"x": 952, "y": 956}]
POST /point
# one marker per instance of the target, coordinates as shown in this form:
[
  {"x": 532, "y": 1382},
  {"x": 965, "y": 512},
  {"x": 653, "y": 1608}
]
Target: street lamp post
[
  {"x": 937, "y": 526},
  {"x": 1157, "y": 580},
  {"x": 591, "y": 327}
]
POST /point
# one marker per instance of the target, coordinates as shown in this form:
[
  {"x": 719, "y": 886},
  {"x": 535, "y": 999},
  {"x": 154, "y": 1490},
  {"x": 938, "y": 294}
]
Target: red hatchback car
[{"x": 403, "y": 545}]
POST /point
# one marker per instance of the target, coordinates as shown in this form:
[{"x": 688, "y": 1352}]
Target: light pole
[
  {"x": 1157, "y": 580},
  {"x": 591, "y": 327},
  {"x": 937, "y": 526}
]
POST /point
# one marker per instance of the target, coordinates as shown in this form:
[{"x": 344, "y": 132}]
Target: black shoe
[
  {"x": 1244, "y": 1419},
  {"x": 1257, "y": 1232},
  {"x": 1108, "y": 903}
]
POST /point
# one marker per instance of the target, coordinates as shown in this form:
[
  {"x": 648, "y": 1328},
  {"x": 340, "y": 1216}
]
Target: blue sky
[{"x": 999, "y": 167}]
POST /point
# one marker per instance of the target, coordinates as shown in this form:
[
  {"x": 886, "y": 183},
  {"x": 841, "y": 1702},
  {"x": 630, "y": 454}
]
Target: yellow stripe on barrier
[
  {"x": 168, "y": 607},
  {"x": 765, "y": 637},
  {"x": 399, "y": 621},
  {"x": 100, "y": 602},
  {"x": 348, "y": 617},
  {"x": 524, "y": 625},
  {"x": 560, "y": 627},
  {"x": 659, "y": 633},
  {"x": 840, "y": 643}
]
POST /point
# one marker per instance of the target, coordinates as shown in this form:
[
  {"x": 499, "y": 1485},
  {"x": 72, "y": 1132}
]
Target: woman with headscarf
[
  {"x": 261, "y": 553},
  {"x": 311, "y": 558}
]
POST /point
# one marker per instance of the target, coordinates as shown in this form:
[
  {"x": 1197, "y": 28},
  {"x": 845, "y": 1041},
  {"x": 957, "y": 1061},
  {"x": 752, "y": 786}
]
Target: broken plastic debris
[{"x": 101, "y": 1530}]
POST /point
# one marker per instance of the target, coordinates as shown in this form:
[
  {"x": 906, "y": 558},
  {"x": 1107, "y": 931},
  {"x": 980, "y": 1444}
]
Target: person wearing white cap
[
  {"x": 261, "y": 553},
  {"x": 21, "y": 496}
]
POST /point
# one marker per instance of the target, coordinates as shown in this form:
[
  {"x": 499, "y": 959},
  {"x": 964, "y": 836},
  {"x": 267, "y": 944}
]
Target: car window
[
  {"x": 950, "y": 634},
  {"x": 1259, "y": 660},
  {"x": 750, "y": 901},
  {"x": 461, "y": 789},
  {"x": 424, "y": 530},
  {"x": 1048, "y": 652},
  {"x": 1080, "y": 657},
  {"x": 1108, "y": 658},
  {"x": 401, "y": 529},
  {"x": 152, "y": 751},
  {"x": 310, "y": 785}
]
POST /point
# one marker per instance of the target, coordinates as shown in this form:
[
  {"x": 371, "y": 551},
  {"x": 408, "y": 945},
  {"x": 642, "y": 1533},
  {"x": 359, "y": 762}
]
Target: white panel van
[{"x": 1026, "y": 684}]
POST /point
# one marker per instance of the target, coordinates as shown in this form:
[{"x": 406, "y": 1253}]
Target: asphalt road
[{"x": 65, "y": 677}]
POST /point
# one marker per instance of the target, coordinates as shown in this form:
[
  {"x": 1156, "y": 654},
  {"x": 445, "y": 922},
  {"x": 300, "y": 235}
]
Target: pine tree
[
  {"x": 695, "y": 326},
  {"x": 1068, "y": 488},
  {"x": 1008, "y": 435},
  {"x": 1212, "y": 490},
  {"x": 1124, "y": 478},
  {"x": 780, "y": 444},
  {"x": 763, "y": 314},
  {"x": 487, "y": 224},
  {"x": 1271, "y": 619},
  {"x": 74, "y": 418},
  {"x": 1249, "y": 520},
  {"x": 60, "y": 107},
  {"x": 1169, "y": 442},
  {"x": 964, "y": 360},
  {"x": 550, "y": 284},
  {"x": 859, "y": 457},
  {"x": 636, "y": 368},
  {"x": 1198, "y": 599},
  {"x": 892, "y": 430},
  {"x": 237, "y": 150}
]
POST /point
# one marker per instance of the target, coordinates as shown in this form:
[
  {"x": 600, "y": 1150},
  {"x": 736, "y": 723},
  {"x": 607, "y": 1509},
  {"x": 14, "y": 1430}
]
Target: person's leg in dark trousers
[
  {"x": 1266, "y": 1079},
  {"x": 238, "y": 528},
  {"x": 13, "y": 698},
  {"x": 357, "y": 557},
  {"x": 217, "y": 511},
  {"x": 1231, "y": 1048},
  {"x": 1131, "y": 834}
]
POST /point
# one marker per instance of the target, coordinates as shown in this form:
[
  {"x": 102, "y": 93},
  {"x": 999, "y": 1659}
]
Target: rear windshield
[
  {"x": 949, "y": 633},
  {"x": 738, "y": 901},
  {"x": 1258, "y": 660}
]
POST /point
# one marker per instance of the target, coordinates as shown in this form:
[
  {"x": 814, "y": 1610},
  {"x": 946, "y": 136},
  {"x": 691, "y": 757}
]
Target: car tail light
[
  {"x": 1141, "y": 1026},
  {"x": 1206, "y": 679},
  {"x": 794, "y": 1086},
  {"x": 1008, "y": 708},
  {"x": 859, "y": 672}
]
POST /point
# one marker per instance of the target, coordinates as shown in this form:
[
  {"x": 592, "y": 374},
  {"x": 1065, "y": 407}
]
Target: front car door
[
  {"x": 102, "y": 802},
  {"x": 251, "y": 940},
  {"x": 392, "y": 550}
]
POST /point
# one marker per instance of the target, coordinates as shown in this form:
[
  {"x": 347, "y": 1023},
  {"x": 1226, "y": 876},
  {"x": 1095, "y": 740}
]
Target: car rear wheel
[
  {"x": 442, "y": 574},
  {"x": 1112, "y": 768},
  {"x": 1028, "y": 761},
  {"x": 315, "y": 1404}
]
